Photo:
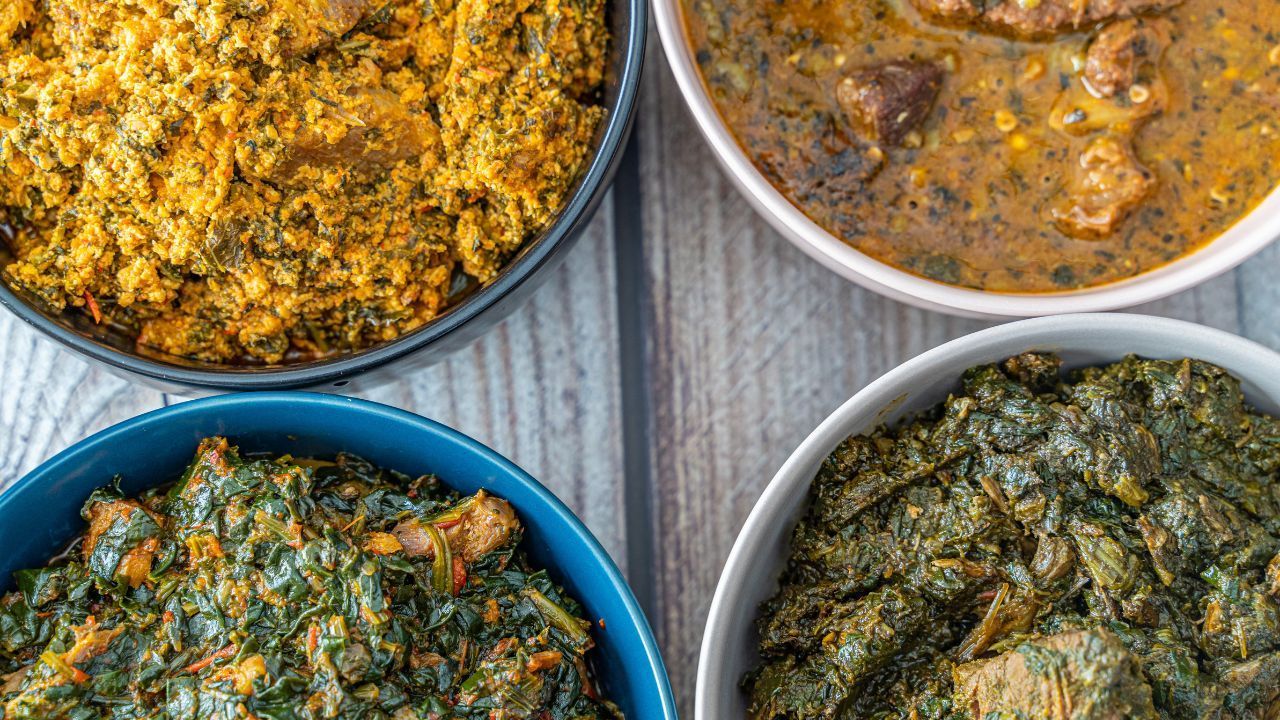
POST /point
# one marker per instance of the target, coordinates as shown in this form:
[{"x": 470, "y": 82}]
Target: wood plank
[
  {"x": 542, "y": 387},
  {"x": 1259, "y": 297},
  {"x": 1213, "y": 303},
  {"x": 752, "y": 344},
  {"x": 52, "y": 398}
]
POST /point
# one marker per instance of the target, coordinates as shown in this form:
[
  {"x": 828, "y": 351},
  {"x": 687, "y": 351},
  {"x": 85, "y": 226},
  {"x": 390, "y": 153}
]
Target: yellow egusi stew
[
  {"x": 278, "y": 180},
  {"x": 1008, "y": 145}
]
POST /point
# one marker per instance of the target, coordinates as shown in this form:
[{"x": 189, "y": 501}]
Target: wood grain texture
[
  {"x": 747, "y": 345},
  {"x": 50, "y": 398},
  {"x": 1258, "y": 286},
  {"x": 752, "y": 344},
  {"x": 542, "y": 389}
]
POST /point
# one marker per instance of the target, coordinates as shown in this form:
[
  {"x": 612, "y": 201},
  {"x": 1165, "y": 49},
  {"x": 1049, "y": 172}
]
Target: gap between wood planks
[{"x": 633, "y": 353}]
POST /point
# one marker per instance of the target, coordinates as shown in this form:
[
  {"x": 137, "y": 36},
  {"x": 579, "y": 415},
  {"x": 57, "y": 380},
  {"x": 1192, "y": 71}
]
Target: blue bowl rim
[
  {"x": 537, "y": 253},
  {"x": 319, "y": 401}
]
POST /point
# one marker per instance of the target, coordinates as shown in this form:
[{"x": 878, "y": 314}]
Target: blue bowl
[{"x": 41, "y": 512}]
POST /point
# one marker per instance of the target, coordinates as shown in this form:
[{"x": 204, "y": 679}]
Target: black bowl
[{"x": 459, "y": 325}]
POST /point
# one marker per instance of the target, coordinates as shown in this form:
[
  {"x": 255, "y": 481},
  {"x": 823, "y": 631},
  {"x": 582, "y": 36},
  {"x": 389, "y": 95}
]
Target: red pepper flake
[
  {"x": 313, "y": 639},
  {"x": 446, "y": 524},
  {"x": 168, "y": 616},
  {"x": 93, "y": 307},
  {"x": 459, "y": 574},
  {"x": 225, "y": 652}
]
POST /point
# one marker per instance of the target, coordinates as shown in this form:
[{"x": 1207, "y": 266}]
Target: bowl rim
[
  {"x": 570, "y": 219},
  {"x": 102, "y": 441},
  {"x": 1208, "y": 261},
  {"x": 884, "y": 392}
]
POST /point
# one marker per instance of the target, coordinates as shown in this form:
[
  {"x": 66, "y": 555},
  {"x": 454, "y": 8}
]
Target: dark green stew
[
  {"x": 1100, "y": 547},
  {"x": 284, "y": 589}
]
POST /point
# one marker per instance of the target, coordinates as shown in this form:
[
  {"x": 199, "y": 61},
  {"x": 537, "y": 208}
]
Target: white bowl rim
[
  {"x": 884, "y": 392},
  {"x": 1249, "y": 235}
]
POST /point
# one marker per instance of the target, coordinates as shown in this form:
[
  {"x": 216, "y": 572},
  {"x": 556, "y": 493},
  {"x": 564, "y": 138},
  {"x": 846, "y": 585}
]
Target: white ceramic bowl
[
  {"x": 1251, "y": 234},
  {"x": 750, "y": 575}
]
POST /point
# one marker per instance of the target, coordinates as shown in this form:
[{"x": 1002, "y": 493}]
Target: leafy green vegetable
[
  {"x": 1101, "y": 546},
  {"x": 292, "y": 590}
]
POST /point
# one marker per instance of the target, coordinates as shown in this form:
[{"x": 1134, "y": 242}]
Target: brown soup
[{"x": 1016, "y": 145}]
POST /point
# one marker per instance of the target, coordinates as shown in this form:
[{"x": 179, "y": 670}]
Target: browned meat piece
[
  {"x": 91, "y": 641},
  {"x": 1117, "y": 57},
  {"x": 1108, "y": 183},
  {"x": 1254, "y": 683},
  {"x": 1121, "y": 84},
  {"x": 485, "y": 524},
  {"x": 135, "y": 565},
  {"x": 885, "y": 102},
  {"x": 1077, "y": 675},
  {"x": 381, "y": 132},
  {"x": 13, "y": 681},
  {"x": 1037, "y": 19},
  {"x": 319, "y": 22}
]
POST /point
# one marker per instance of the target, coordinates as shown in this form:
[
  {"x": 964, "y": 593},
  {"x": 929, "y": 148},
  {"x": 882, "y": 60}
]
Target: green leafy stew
[
  {"x": 1093, "y": 546},
  {"x": 283, "y": 589}
]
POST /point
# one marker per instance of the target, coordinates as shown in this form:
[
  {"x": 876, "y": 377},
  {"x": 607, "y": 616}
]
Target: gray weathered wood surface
[{"x": 655, "y": 382}]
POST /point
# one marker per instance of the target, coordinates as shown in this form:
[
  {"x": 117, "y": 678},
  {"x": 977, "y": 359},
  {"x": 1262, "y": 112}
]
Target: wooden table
[{"x": 655, "y": 382}]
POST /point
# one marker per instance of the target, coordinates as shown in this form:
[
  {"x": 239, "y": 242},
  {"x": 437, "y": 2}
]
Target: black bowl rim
[{"x": 540, "y": 252}]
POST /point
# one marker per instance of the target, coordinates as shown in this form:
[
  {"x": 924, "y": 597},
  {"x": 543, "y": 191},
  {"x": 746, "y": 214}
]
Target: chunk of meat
[
  {"x": 1252, "y": 685},
  {"x": 1037, "y": 19},
  {"x": 1076, "y": 675},
  {"x": 134, "y": 565},
  {"x": 319, "y": 22},
  {"x": 885, "y": 102},
  {"x": 1109, "y": 182},
  {"x": 484, "y": 524},
  {"x": 14, "y": 680},
  {"x": 381, "y": 131},
  {"x": 91, "y": 641},
  {"x": 1121, "y": 84},
  {"x": 1121, "y": 53}
]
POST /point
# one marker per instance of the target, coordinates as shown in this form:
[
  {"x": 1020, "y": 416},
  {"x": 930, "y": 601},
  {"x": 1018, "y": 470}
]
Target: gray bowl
[{"x": 750, "y": 575}]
